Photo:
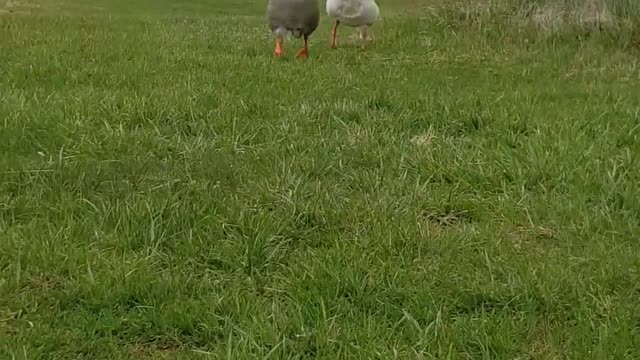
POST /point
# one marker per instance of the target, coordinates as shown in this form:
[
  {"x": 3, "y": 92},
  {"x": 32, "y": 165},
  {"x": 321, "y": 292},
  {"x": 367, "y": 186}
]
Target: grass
[{"x": 168, "y": 190}]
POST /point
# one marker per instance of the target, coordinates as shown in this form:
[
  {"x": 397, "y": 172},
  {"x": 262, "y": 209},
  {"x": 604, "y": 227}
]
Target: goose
[
  {"x": 353, "y": 13},
  {"x": 300, "y": 17}
]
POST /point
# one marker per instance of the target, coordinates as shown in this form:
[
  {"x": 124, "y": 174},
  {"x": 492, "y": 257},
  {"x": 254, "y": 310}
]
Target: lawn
[{"x": 468, "y": 188}]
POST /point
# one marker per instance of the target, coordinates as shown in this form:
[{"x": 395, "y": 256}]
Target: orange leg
[
  {"x": 304, "y": 52},
  {"x": 363, "y": 37},
  {"x": 279, "y": 51},
  {"x": 334, "y": 34}
]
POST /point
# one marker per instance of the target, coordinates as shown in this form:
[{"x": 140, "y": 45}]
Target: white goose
[{"x": 353, "y": 13}]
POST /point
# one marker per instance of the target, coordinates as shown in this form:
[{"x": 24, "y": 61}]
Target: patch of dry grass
[
  {"x": 545, "y": 15},
  {"x": 17, "y": 7}
]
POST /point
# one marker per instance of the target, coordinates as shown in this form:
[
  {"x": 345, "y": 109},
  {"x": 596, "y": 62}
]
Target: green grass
[{"x": 168, "y": 190}]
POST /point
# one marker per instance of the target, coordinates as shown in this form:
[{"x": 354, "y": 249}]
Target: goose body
[
  {"x": 354, "y": 13},
  {"x": 298, "y": 17}
]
